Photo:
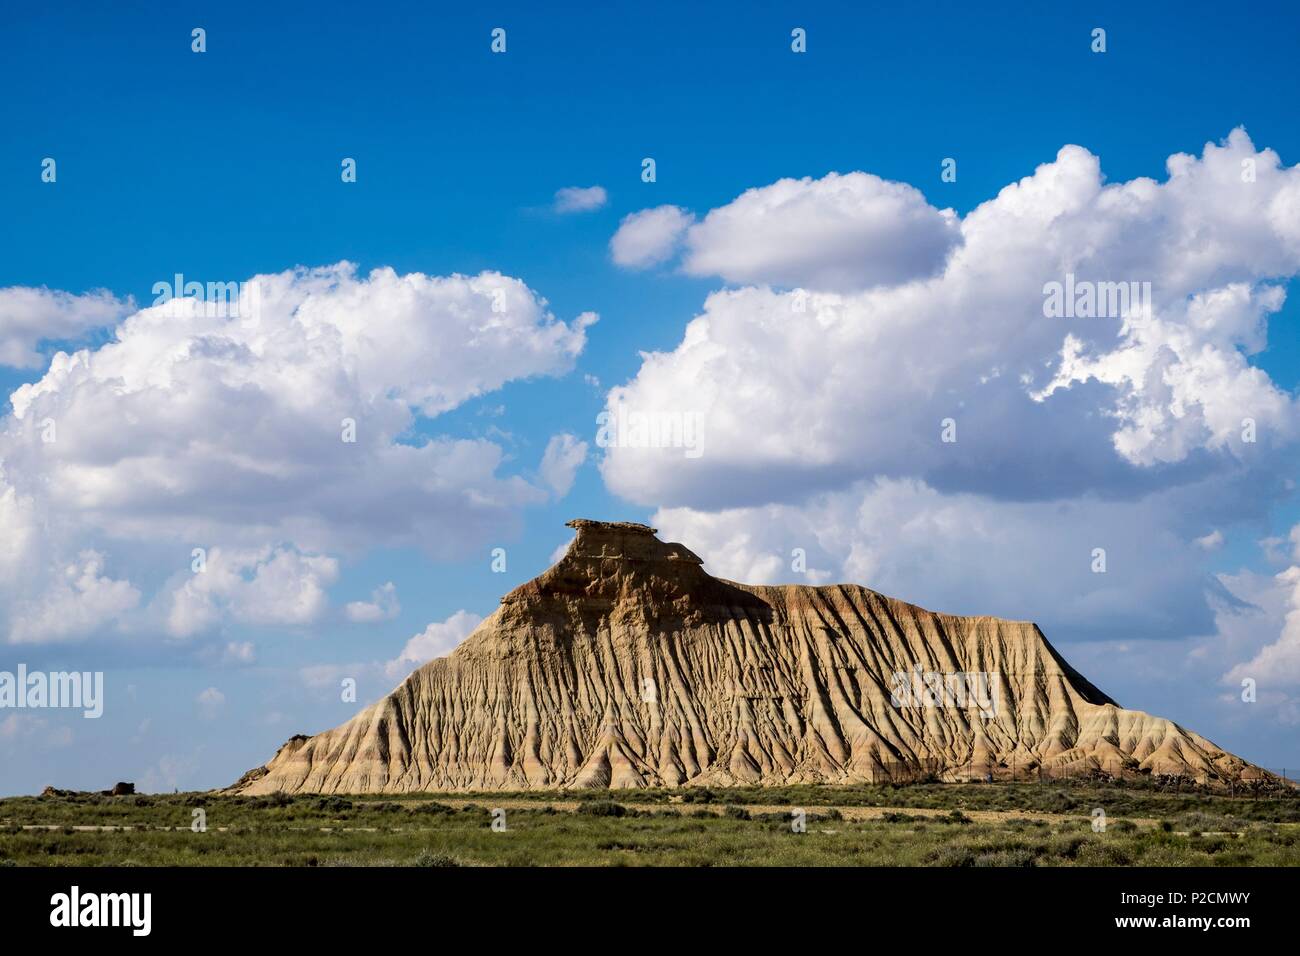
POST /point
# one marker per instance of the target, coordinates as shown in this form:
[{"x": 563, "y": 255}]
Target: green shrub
[
  {"x": 1211, "y": 845},
  {"x": 428, "y": 858},
  {"x": 432, "y": 806},
  {"x": 952, "y": 856},
  {"x": 1066, "y": 846},
  {"x": 1104, "y": 853},
  {"x": 1021, "y": 856},
  {"x": 702, "y": 795}
]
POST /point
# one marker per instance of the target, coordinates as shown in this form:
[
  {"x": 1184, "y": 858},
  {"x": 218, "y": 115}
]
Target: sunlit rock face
[{"x": 627, "y": 665}]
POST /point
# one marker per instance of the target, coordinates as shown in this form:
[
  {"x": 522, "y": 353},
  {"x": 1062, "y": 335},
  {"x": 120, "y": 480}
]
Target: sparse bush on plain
[
  {"x": 333, "y": 804},
  {"x": 431, "y": 806},
  {"x": 917, "y": 825},
  {"x": 952, "y": 855},
  {"x": 894, "y": 816},
  {"x": 1020, "y": 857},
  {"x": 1104, "y": 853}
]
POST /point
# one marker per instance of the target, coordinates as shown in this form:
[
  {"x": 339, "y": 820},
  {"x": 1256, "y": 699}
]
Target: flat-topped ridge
[
  {"x": 625, "y": 541},
  {"x": 631, "y": 527}
]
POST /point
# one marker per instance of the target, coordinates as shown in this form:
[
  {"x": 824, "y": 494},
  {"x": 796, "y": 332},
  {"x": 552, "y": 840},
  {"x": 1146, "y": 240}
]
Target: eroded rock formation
[{"x": 628, "y": 665}]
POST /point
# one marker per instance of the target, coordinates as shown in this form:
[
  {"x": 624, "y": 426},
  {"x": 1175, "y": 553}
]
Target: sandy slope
[{"x": 627, "y": 665}]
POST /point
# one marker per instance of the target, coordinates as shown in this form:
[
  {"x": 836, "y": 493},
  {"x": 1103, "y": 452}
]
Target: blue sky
[{"x": 225, "y": 164}]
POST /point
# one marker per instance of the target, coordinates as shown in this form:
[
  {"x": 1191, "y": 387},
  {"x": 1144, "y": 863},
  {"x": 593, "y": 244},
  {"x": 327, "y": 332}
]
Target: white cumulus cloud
[
  {"x": 80, "y": 600},
  {"x": 277, "y": 587},
  {"x": 300, "y": 425},
  {"x": 210, "y": 702},
  {"x": 382, "y": 606},
  {"x": 29, "y": 316},
  {"x": 649, "y": 237},
  {"x": 838, "y": 233},
  {"x": 966, "y": 554},
  {"x": 1276, "y": 665},
  {"x": 437, "y": 640},
  {"x": 804, "y": 390},
  {"x": 579, "y": 198},
  {"x": 563, "y": 457}
]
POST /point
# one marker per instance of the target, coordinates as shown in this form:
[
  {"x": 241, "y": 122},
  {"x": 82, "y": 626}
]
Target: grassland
[{"x": 916, "y": 825}]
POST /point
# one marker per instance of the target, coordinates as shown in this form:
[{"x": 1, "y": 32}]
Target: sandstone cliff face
[{"x": 627, "y": 665}]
